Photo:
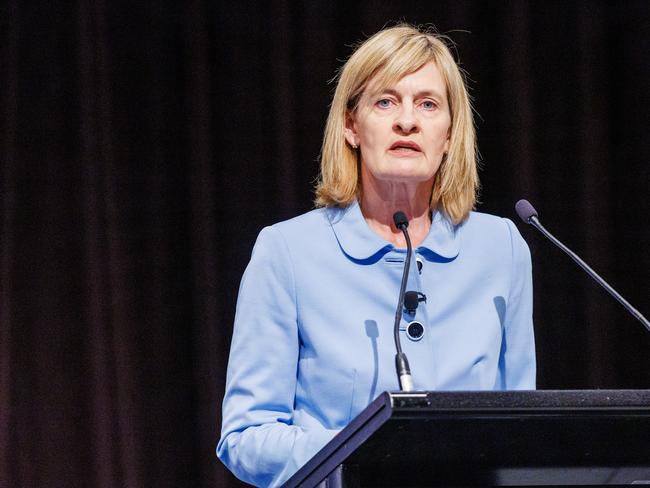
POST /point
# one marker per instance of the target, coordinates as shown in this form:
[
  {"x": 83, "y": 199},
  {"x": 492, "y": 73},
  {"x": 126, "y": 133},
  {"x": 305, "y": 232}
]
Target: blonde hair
[{"x": 385, "y": 58}]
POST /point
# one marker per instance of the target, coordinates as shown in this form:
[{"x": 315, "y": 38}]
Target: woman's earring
[{"x": 354, "y": 146}]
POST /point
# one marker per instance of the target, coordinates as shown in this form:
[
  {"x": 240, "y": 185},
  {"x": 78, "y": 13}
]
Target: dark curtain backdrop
[{"x": 143, "y": 145}]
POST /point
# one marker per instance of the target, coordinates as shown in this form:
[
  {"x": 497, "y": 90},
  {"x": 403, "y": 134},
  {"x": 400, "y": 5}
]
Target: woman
[{"x": 313, "y": 337}]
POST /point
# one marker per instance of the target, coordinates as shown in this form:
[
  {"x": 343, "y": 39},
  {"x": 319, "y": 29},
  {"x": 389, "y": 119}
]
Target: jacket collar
[{"x": 361, "y": 245}]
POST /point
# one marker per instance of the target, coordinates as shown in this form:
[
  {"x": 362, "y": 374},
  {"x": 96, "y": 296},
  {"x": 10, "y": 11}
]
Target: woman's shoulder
[
  {"x": 492, "y": 228},
  {"x": 487, "y": 222},
  {"x": 485, "y": 219},
  {"x": 312, "y": 221},
  {"x": 314, "y": 224}
]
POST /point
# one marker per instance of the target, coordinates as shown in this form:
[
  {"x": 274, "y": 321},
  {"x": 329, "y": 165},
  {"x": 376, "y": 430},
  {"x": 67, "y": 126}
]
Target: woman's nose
[{"x": 406, "y": 120}]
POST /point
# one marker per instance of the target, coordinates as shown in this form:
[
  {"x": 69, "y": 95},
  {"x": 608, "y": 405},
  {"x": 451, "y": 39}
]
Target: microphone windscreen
[
  {"x": 400, "y": 219},
  {"x": 411, "y": 300},
  {"x": 525, "y": 210}
]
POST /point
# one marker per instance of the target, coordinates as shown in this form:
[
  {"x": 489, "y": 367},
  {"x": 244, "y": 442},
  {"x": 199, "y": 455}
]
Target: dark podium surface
[{"x": 511, "y": 438}]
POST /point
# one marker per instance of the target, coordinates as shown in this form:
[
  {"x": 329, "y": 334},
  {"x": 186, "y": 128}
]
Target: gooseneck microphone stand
[
  {"x": 401, "y": 362},
  {"x": 528, "y": 214}
]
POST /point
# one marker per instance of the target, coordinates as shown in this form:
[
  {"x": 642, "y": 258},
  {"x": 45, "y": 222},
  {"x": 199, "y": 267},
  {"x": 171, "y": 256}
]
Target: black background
[{"x": 144, "y": 145}]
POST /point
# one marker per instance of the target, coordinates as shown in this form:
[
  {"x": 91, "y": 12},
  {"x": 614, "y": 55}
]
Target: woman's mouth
[{"x": 404, "y": 147}]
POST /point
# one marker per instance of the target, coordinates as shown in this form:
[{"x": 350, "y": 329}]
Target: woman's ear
[{"x": 350, "y": 131}]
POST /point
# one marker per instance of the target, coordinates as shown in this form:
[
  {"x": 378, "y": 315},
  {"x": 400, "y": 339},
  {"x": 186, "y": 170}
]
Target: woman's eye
[
  {"x": 384, "y": 103},
  {"x": 428, "y": 105}
]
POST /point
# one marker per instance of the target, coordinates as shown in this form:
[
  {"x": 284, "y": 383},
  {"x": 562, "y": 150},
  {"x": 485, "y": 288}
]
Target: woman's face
[{"x": 403, "y": 131}]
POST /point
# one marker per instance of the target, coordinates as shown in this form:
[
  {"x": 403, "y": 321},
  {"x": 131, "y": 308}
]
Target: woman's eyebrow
[{"x": 420, "y": 94}]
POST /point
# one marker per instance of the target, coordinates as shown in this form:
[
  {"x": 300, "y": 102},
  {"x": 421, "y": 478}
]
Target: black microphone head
[
  {"x": 411, "y": 300},
  {"x": 400, "y": 219},
  {"x": 525, "y": 210}
]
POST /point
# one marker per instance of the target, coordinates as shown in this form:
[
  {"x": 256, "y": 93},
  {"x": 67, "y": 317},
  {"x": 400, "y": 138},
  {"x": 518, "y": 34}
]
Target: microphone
[
  {"x": 412, "y": 299},
  {"x": 528, "y": 214},
  {"x": 401, "y": 362}
]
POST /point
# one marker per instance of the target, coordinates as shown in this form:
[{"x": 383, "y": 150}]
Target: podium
[{"x": 507, "y": 438}]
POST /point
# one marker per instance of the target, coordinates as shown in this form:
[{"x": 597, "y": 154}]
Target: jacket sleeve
[
  {"x": 517, "y": 359},
  {"x": 258, "y": 442}
]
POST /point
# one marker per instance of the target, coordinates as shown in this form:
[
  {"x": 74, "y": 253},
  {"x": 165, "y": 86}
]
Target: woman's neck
[{"x": 378, "y": 210}]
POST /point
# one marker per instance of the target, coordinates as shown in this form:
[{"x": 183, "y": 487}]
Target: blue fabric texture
[{"x": 313, "y": 336}]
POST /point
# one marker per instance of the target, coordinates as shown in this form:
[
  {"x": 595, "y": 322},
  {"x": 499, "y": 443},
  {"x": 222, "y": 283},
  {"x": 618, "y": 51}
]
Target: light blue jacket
[{"x": 313, "y": 336}]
